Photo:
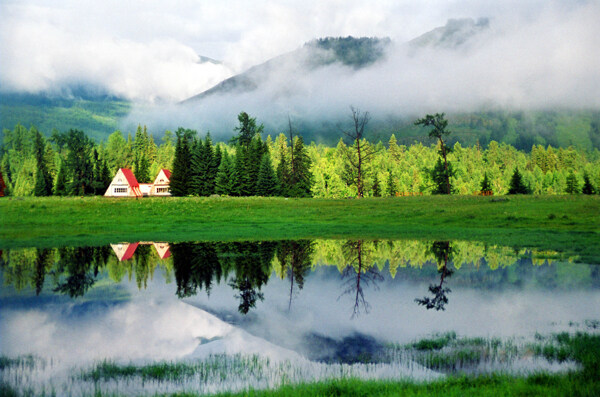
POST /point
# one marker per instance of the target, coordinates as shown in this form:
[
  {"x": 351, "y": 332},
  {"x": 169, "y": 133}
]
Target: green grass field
[{"x": 570, "y": 224}]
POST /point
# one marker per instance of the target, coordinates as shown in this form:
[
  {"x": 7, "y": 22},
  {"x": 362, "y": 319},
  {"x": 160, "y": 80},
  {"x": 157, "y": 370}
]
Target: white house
[{"x": 124, "y": 184}]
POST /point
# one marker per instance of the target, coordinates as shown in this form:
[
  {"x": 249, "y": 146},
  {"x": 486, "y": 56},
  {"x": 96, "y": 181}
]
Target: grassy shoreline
[{"x": 570, "y": 224}]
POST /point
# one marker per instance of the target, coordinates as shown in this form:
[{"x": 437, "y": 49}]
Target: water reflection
[
  {"x": 443, "y": 251},
  {"x": 246, "y": 267}
]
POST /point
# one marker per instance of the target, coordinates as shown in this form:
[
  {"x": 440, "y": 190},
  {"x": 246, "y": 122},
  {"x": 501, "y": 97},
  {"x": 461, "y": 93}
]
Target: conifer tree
[
  {"x": 485, "y": 184},
  {"x": 572, "y": 184},
  {"x": 376, "y": 188},
  {"x": 516, "y": 184},
  {"x": 301, "y": 177},
  {"x": 142, "y": 173},
  {"x": 391, "y": 186},
  {"x": 283, "y": 171},
  {"x": 79, "y": 162},
  {"x": 60, "y": 187},
  {"x": 180, "y": 175},
  {"x": 587, "y": 185},
  {"x": 43, "y": 180},
  {"x": 266, "y": 184},
  {"x": 225, "y": 182},
  {"x": 440, "y": 175},
  {"x": 439, "y": 131}
]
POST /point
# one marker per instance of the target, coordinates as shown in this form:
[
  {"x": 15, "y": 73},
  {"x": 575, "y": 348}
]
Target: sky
[{"x": 149, "y": 50}]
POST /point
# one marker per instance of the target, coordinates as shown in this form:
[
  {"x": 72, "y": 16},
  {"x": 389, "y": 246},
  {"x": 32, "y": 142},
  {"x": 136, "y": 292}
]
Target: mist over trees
[{"x": 70, "y": 163}]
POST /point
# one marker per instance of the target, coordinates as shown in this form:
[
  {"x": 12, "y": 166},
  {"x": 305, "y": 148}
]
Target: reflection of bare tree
[
  {"x": 358, "y": 273},
  {"x": 295, "y": 260},
  {"x": 442, "y": 250}
]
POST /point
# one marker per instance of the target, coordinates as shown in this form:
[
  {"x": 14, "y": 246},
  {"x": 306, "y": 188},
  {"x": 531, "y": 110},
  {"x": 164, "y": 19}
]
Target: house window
[
  {"x": 120, "y": 190},
  {"x": 162, "y": 190}
]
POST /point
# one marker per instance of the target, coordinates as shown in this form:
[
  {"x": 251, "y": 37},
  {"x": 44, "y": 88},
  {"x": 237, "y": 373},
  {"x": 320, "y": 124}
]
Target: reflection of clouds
[{"x": 135, "y": 330}]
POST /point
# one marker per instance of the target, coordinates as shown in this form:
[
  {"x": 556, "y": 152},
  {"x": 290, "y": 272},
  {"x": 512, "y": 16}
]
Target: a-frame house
[
  {"x": 160, "y": 187},
  {"x": 124, "y": 184},
  {"x": 124, "y": 251}
]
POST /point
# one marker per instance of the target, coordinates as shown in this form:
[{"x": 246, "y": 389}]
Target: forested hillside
[{"x": 70, "y": 163}]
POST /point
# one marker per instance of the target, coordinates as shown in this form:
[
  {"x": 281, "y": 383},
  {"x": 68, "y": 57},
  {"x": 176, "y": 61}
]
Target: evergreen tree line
[
  {"x": 243, "y": 169},
  {"x": 70, "y": 163}
]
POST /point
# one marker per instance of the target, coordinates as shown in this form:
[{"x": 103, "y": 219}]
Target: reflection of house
[
  {"x": 124, "y": 184},
  {"x": 125, "y": 251},
  {"x": 2, "y": 185},
  {"x": 163, "y": 250}
]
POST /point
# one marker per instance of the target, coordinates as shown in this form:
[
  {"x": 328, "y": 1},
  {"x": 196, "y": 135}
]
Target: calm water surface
[{"x": 266, "y": 313}]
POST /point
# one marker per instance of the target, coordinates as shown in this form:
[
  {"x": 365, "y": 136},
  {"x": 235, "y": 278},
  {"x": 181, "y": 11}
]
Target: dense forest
[{"x": 257, "y": 163}]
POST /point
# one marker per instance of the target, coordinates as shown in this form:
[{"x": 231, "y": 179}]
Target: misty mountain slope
[
  {"x": 455, "y": 33},
  {"x": 97, "y": 116},
  {"x": 352, "y": 52}
]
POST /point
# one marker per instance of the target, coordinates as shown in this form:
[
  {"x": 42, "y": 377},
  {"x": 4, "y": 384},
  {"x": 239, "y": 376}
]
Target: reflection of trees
[
  {"x": 42, "y": 264},
  {"x": 195, "y": 266},
  {"x": 295, "y": 259},
  {"x": 251, "y": 262},
  {"x": 80, "y": 265},
  {"x": 358, "y": 273},
  {"x": 442, "y": 250}
]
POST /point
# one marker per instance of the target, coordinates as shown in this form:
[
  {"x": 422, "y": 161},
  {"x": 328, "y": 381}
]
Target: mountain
[
  {"x": 306, "y": 84},
  {"x": 348, "y": 51},
  {"x": 456, "y": 33}
]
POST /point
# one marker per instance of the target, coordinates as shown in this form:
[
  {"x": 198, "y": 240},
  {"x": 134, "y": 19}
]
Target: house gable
[{"x": 124, "y": 184}]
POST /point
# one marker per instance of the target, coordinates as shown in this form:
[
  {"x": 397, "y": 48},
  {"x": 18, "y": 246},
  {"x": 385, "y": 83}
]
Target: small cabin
[
  {"x": 160, "y": 187},
  {"x": 124, "y": 184}
]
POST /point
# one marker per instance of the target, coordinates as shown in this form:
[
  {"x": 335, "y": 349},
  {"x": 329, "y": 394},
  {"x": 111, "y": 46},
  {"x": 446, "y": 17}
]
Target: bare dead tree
[
  {"x": 358, "y": 153},
  {"x": 358, "y": 275}
]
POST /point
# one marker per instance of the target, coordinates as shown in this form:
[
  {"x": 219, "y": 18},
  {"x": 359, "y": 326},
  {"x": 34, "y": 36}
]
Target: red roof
[
  {"x": 130, "y": 177},
  {"x": 130, "y": 251},
  {"x": 133, "y": 183},
  {"x": 167, "y": 173}
]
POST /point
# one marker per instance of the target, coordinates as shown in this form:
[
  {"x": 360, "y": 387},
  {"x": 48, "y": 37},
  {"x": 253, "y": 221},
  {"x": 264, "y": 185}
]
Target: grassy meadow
[{"x": 569, "y": 223}]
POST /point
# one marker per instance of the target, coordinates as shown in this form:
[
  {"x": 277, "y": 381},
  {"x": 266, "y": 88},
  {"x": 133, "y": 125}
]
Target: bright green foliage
[
  {"x": 587, "y": 185},
  {"x": 517, "y": 186},
  {"x": 267, "y": 184},
  {"x": 572, "y": 184}
]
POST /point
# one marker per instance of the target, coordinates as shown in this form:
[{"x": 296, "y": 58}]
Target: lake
[{"x": 148, "y": 317}]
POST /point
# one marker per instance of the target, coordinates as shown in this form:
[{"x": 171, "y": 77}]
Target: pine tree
[
  {"x": 485, "y": 184},
  {"x": 391, "y": 186},
  {"x": 79, "y": 162},
  {"x": 301, "y": 176},
  {"x": 180, "y": 176},
  {"x": 587, "y": 185},
  {"x": 572, "y": 184},
  {"x": 440, "y": 174},
  {"x": 142, "y": 173},
  {"x": 225, "y": 182},
  {"x": 376, "y": 188},
  {"x": 266, "y": 184},
  {"x": 43, "y": 180},
  {"x": 283, "y": 172},
  {"x": 516, "y": 184},
  {"x": 60, "y": 187}
]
